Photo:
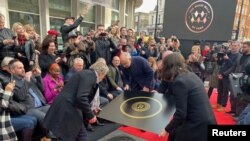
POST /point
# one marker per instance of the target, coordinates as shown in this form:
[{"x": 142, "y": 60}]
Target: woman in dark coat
[{"x": 193, "y": 111}]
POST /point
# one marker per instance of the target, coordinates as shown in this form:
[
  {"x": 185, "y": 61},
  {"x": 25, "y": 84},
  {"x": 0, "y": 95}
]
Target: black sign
[
  {"x": 146, "y": 111},
  {"x": 199, "y": 19}
]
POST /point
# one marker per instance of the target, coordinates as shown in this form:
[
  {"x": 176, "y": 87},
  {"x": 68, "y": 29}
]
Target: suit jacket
[
  {"x": 72, "y": 106},
  {"x": 193, "y": 111}
]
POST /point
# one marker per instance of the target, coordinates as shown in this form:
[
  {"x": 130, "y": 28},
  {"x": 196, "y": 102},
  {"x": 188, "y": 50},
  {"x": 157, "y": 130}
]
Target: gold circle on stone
[
  {"x": 140, "y": 106},
  {"x": 141, "y": 117}
]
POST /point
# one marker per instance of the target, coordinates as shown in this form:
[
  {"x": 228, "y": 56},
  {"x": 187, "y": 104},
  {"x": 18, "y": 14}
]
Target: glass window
[
  {"x": 115, "y": 16},
  {"x": 91, "y": 13},
  {"x": 115, "y": 4},
  {"x": 60, "y": 8},
  {"x": 31, "y": 6},
  {"x": 152, "y": 19},
  {"x": 56, "y": 23},
  {"x": 25, "y": 18},
  {"x": 86, "y": 27},
  {"x": 159, "y": 19}
]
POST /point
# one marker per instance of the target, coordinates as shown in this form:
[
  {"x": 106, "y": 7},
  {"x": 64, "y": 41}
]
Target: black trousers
[{"x": 223, "y": 91}]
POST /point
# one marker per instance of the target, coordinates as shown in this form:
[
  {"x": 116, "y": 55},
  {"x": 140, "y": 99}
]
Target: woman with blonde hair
[
  {"x": 152, "y": 63},
  {"x": 195, "y": 60},
  {"x": 25, "y": 47}
]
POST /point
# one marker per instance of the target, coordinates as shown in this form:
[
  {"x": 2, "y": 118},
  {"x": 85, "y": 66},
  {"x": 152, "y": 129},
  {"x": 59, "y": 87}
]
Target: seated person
[
  {"x": 53, "y": 83},
  {"x": 78, "y": 65}
]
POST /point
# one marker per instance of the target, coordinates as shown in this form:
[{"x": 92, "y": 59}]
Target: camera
[
  {"x": 60, "y": 53},
  {"x": 221, "y": 50},
  {"x": 103, "y": 34}
]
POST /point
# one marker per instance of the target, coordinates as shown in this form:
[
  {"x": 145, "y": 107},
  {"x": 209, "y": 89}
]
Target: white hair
[
  {"x": 6, "y": 61},
  {"x": 78, "y": 60},
  {"x": 100, "y": 67}
]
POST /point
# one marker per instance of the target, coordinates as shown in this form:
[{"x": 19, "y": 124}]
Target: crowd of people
[{"x": 61, "y": 92}]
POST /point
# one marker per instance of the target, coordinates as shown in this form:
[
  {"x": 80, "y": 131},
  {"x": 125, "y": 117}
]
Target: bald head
[{"x": 125, "y": 59}]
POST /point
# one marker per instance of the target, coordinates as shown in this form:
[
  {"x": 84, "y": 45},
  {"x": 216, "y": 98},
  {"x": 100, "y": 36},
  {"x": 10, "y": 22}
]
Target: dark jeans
[
  {"x": 39, "y": 113},
  {"x": 210, "y": 91},
  {"x": 103, "y": 101},
  {"x": 223, "y": 90},
  {"x": 23, "y": 122}
]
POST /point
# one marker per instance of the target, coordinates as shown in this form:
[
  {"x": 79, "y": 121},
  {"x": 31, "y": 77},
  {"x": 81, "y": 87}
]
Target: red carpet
[{"x": 221, "y": 117}]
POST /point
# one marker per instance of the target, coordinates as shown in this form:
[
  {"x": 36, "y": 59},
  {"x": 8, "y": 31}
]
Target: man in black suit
[{"x": 72, "y": 106}]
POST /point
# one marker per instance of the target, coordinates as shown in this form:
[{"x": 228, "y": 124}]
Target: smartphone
[
  {"x": 11, "y": 78},
  {"x": 14, "y": 38}
]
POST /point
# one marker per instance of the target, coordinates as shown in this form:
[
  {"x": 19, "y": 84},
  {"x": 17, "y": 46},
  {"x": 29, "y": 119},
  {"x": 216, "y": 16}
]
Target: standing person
[
  {"x": 7, "y": 40},
  {"x": 72, "y": 106},
  {"x": 7, "y": 131},
  {"x": 137, "y": 73},
  {"x": 193, "y": 111},
  {"x": 70, "y": 24}
]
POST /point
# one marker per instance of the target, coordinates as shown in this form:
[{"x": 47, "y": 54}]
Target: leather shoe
[
  {"x": 90, "y": 128},
  {"x": 99, "y": 123}
]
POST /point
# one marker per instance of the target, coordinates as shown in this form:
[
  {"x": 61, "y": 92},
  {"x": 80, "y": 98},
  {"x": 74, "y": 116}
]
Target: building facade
[
  {"x": 50, "y": 14},
  {"x": 152, "y": 19},
  {"x": 141, "y": 22},
  {"x": 244, "y": 27}
]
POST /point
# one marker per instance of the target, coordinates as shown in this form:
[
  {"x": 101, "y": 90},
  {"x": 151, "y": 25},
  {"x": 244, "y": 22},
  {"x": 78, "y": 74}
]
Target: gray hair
[
  {"x": 76, "y": 60},
  {"x": 6, "y": 60},
  {"x": 101, "y": 60},
  {"x": 100, "y": 67}
]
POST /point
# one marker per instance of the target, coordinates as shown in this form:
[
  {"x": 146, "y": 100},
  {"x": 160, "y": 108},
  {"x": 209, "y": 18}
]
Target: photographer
[
  {"x": 227, "y": 67},
  {"x": 239, "y": 102},
  {"x": 49, "y": 56},
  {"x": 104, "y": 45}
]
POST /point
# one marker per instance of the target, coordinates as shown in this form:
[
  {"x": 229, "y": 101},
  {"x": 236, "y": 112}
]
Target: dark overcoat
[
  {"x": 72, "y": 106},
  {"x": 193, "y": 111}
]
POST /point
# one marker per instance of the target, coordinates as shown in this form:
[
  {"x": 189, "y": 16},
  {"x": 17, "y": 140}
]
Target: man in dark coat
[
  {"x": 72, "y": 106},
  {"x": 137, "y": 73},
  {"x": 70, "y": 24}
]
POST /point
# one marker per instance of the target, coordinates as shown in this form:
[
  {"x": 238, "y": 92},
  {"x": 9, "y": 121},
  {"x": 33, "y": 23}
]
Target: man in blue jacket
[{"x": 137, "y": 73}]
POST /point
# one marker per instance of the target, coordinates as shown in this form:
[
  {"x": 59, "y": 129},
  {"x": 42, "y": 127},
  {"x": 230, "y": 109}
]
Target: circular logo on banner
[
  {"x": 141, "y": 107},
  {"x": 199, "y": 16}
]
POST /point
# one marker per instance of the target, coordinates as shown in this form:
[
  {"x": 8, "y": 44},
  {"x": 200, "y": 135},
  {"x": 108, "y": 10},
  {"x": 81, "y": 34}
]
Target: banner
[{"x": 199, "y": 19}]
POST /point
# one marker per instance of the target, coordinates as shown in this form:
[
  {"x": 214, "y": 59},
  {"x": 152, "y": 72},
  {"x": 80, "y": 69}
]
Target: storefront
[{"x": 50, "y": 14}]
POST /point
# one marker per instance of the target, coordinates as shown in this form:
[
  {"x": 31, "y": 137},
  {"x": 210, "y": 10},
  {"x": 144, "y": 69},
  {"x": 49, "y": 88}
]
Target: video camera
[
  {"x": 221, "y": 51},
  {"x": 240, "y": 82}
]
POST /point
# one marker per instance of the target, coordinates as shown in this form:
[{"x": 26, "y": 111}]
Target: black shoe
[
  {"x": 98, "y": 123},
  {"x": 90, "y": 128}
]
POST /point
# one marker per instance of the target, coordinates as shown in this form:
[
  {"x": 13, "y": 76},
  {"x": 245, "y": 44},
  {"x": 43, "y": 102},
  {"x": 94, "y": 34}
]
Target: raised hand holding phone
[{"x": 10, "y": 86}]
